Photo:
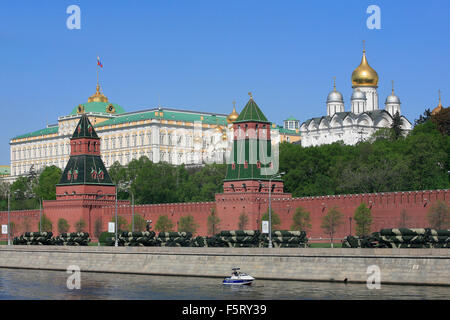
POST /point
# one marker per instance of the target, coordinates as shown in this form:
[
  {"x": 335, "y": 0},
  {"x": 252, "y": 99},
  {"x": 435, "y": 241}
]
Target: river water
[{"x": 52, "y": 285}]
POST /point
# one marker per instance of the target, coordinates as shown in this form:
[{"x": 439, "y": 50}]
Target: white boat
[{"x": 238, "y": 278}]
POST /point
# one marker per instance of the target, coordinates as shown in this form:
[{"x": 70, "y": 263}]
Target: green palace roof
[
  {"x": 251, "y": 112},
  {"x": 42, "y": 132},
  {"x": 98, "y": 107},
  {"x": 287, "y": 131},
  {"x": 5, "y": 170},
  {"x": 291, "y": 118},
  {"x": 167, "y": 114}
]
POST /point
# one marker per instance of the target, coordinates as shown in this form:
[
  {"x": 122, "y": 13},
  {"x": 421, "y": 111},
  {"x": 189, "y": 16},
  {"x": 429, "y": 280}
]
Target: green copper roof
[
  {"x": 287, "y": 131},
  {"x": 251, "y": 112},
  {"x": 41, "y": 132},
  {"x": 84, "y": 129},
  {"x": 249, "y": 171},
  {"x": 291, "y": 118},
  {"x": 173, "y": 115},
  {"x": 85, "y": 169},
  {"x": 99, "y": 107},
  {"x": 5, "y": 170}
]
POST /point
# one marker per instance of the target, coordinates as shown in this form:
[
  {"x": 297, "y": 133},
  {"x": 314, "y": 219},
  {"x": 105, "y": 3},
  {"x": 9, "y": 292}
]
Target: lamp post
[
  {"x": 116, "y": 244},
  {"x": 350, "y": 218},
  {"x": 9, "y": 224},
  {"x": 40, "y": 215},
  {"x": 132, "y": 210},
  {"x": 270, "y": 206}
]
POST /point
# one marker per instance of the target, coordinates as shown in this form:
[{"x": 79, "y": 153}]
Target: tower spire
[
  {"x": 334, "y": 83},
  {"x": 440, "y": 103},
  {"x": 392, "y": 86}
]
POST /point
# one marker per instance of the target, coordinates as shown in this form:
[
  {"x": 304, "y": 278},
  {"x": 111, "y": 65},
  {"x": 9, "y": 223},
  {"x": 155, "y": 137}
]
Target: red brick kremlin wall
[{"x": 386, "y": 211}]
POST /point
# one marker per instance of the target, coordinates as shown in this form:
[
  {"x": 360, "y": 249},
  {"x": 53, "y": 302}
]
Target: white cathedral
[{"x": 365, "y": 117}]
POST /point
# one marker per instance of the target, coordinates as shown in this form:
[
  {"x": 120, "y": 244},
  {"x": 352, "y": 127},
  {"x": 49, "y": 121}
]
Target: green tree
[
  {"x": 396, "y": 126},
  {"x": 12, "y": 229},
  {"x": 46, "y": 224},
  {"x": 442, "y": 121},
  {"x": 139, "y": 223},
  {"x": 164, "y": 224},
  {"x": 331, "y": 222},
  {"x": 46, "y": 186},
  {"x": 423, "y": 118},
  {"x": 439, "y": 215},
  {"x": 243, "y": 221},
  {"x": 404, "y": 218},
  {"x": 122, "y": 224},
  {"x": 80, "y": 225},
  {"x": 301, "y": 220},
  {"x": 187, "y": 224},
  {"x": 98, "y": 228},
  {"x": 63, "y": 226},
  {"x": 213, "y": 222},
  {"x": 363, "y": 219},
  {"x": 276, "y": 222},
  {"x": 26, "y": 225}
]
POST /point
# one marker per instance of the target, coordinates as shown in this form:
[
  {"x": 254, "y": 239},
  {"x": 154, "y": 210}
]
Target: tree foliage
[
  {"x": 243, "y": 221},
  {"x": 213, "y": 222},
  {"x": 139, "y": 223},
  {"x": 63, "y": 226},
  {"x": 417, "y": 162},
  {"x": 396, "y": 126},
  {"x": 331, "y": 222},
  {"x": 98, "y": 228},
  {"x": 80, "y": 225},
  {"x": 276, "y": 221},
  {"x": 46, "y": 224},
  {"x": 187, "y": 224},
  {"x": 363, "y": 219},
  {"x": 301, "y": 220},
  {"x": 164, "y": 224},
  {"x": 439, "y": 215},
  {"x": 166, "y": 183}
]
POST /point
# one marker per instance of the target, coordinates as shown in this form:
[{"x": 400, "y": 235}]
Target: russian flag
[{"x": 99, "y": 62}]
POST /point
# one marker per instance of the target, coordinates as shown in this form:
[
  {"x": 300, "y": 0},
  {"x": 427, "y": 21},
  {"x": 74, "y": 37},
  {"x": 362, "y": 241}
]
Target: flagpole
[{"x": 97, "y": 73}]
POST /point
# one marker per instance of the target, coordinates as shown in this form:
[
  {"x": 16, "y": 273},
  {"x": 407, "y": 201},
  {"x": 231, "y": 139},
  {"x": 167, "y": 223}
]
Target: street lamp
[
  {"x": 40, "y": 214},
  {"x": 116, "y": 244},
  {"x": 9, "y": 224},
  {"x": 276, "y": 176}
]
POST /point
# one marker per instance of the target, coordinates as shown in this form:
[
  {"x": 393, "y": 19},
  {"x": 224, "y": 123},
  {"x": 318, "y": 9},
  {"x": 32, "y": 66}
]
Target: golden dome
[
  {"x": 233, "y": 115},
  {"x": 439, "y": 107},
  {"x": 364, "y": 75},
  {"x": 98, "y": 96}
]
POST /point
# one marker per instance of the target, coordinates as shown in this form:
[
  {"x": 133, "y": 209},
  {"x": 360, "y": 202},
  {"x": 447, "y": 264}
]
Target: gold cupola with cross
[{"x": 364, "y": 75}]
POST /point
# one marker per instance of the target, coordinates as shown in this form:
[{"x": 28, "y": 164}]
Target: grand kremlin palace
[{"x": 161, "y": 134}]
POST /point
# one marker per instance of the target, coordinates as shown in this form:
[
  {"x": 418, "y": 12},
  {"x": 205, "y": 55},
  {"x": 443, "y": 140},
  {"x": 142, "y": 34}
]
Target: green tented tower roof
[
  {"x": 84, "y": 129},
  {"x": 87, "y": 168},
  {"x": 251, "y": 112}
]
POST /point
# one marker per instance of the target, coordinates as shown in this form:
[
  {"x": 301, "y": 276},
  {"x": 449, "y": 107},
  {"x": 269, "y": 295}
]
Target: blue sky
[{"x": 202, "y": 55}]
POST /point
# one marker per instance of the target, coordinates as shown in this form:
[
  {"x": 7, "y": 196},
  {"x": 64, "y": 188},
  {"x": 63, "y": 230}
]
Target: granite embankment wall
[{"x": 397, "y": 266}]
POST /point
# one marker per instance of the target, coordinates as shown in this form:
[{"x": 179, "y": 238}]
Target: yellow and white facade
[{"x": 161, "y": 134}]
